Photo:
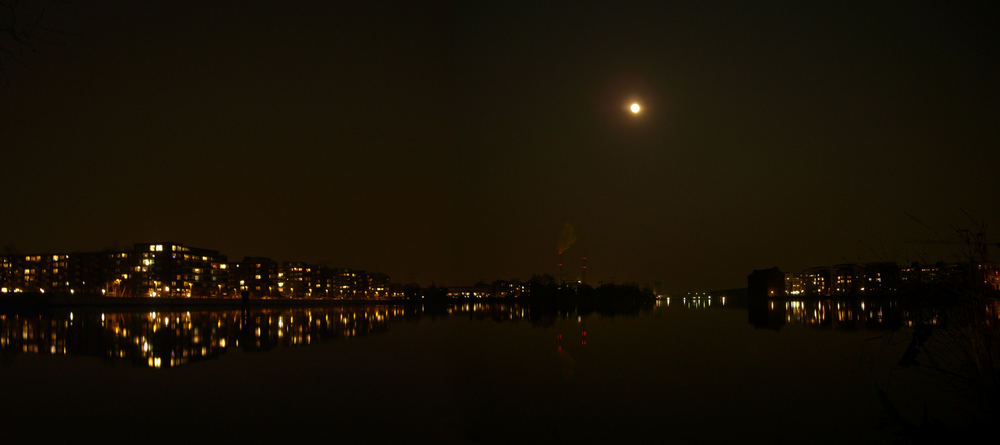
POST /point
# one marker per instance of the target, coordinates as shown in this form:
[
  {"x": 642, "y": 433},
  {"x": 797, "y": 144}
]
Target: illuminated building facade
[
  {"x": 348, "y": 282},
  {"x": 38, "y": 273},
  {"x": 6, "y": 273},
  {"x": 256, "y": 275},
  {"x": 917, "y": 273},
  {"x": 90, "y": 272},
  {"x": 377, "y": 285},
  {"x": 295, "y": 279},
  {"x": 794, "y": 283},
  {"x": 886, "y": 278},
  {"x": 816, "y": 281},
  {"x": 173, "y": 270},
  {"x": 469, "y": 292},
  {"x": 881, "y": 278},
  {"x": 178, "y": 271},
  {"x": 847, "y": 279},
  {"x": 302, "y": 280},
  {"x": 321, "y": 282},
  {"x": 510, "y": 289},
  {"x": 123, "y": 281},
  {"x": 498, "y": 289},
  {"x": 25, "y": 274}
]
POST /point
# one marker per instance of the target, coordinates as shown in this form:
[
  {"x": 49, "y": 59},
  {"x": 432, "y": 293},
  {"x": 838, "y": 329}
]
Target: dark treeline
[
  {"x": 605, "y": 299},
  {"x": 543, "y": 294}
]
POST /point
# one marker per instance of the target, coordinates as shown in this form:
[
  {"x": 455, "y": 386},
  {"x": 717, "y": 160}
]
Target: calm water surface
[{"x": 691, "y": 371}]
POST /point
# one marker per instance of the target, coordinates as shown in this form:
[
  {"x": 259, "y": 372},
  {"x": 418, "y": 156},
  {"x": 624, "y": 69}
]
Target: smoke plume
[{"x": 567, "y": 236}]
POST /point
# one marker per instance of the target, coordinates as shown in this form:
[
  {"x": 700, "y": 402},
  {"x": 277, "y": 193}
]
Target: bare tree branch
[{"x": 23, "y": 28}]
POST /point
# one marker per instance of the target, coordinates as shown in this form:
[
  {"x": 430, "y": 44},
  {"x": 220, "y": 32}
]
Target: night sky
[{"x": 451, "y": 143}]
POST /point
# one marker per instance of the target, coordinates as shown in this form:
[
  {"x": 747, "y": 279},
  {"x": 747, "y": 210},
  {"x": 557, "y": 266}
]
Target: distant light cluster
[{"x": 886, "y": 278}]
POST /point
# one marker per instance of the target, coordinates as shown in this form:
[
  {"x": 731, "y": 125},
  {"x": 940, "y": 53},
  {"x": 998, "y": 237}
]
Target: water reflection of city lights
[{"x": 168, "y": 339}]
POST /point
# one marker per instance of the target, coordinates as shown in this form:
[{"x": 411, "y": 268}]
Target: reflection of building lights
[{"x": 203, "y": 339}]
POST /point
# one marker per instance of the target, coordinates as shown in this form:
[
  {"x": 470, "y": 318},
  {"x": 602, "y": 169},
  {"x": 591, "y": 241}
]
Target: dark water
[{"x": 687, "y": 371}]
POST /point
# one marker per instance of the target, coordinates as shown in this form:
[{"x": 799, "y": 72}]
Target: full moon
[{"x": 634, "y": 108}]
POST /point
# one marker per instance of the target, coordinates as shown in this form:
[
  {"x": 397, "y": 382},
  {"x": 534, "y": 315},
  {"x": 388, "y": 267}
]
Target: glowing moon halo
[{"x": 634, "y": 108}]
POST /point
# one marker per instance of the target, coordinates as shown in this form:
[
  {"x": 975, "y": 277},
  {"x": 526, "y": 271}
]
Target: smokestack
[
  {"x": 559, "y": 271},
  {"x": 583, "y": 270},
  {"x": 567, "y": 236}
]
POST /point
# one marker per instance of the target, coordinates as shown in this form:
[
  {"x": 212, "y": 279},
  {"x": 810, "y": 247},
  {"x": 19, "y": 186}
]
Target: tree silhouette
[{"x": 24, "y": 27}]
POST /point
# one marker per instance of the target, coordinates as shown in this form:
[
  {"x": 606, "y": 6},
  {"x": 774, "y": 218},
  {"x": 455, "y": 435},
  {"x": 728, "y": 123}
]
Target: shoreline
[{"x": 57, "y": 301}]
